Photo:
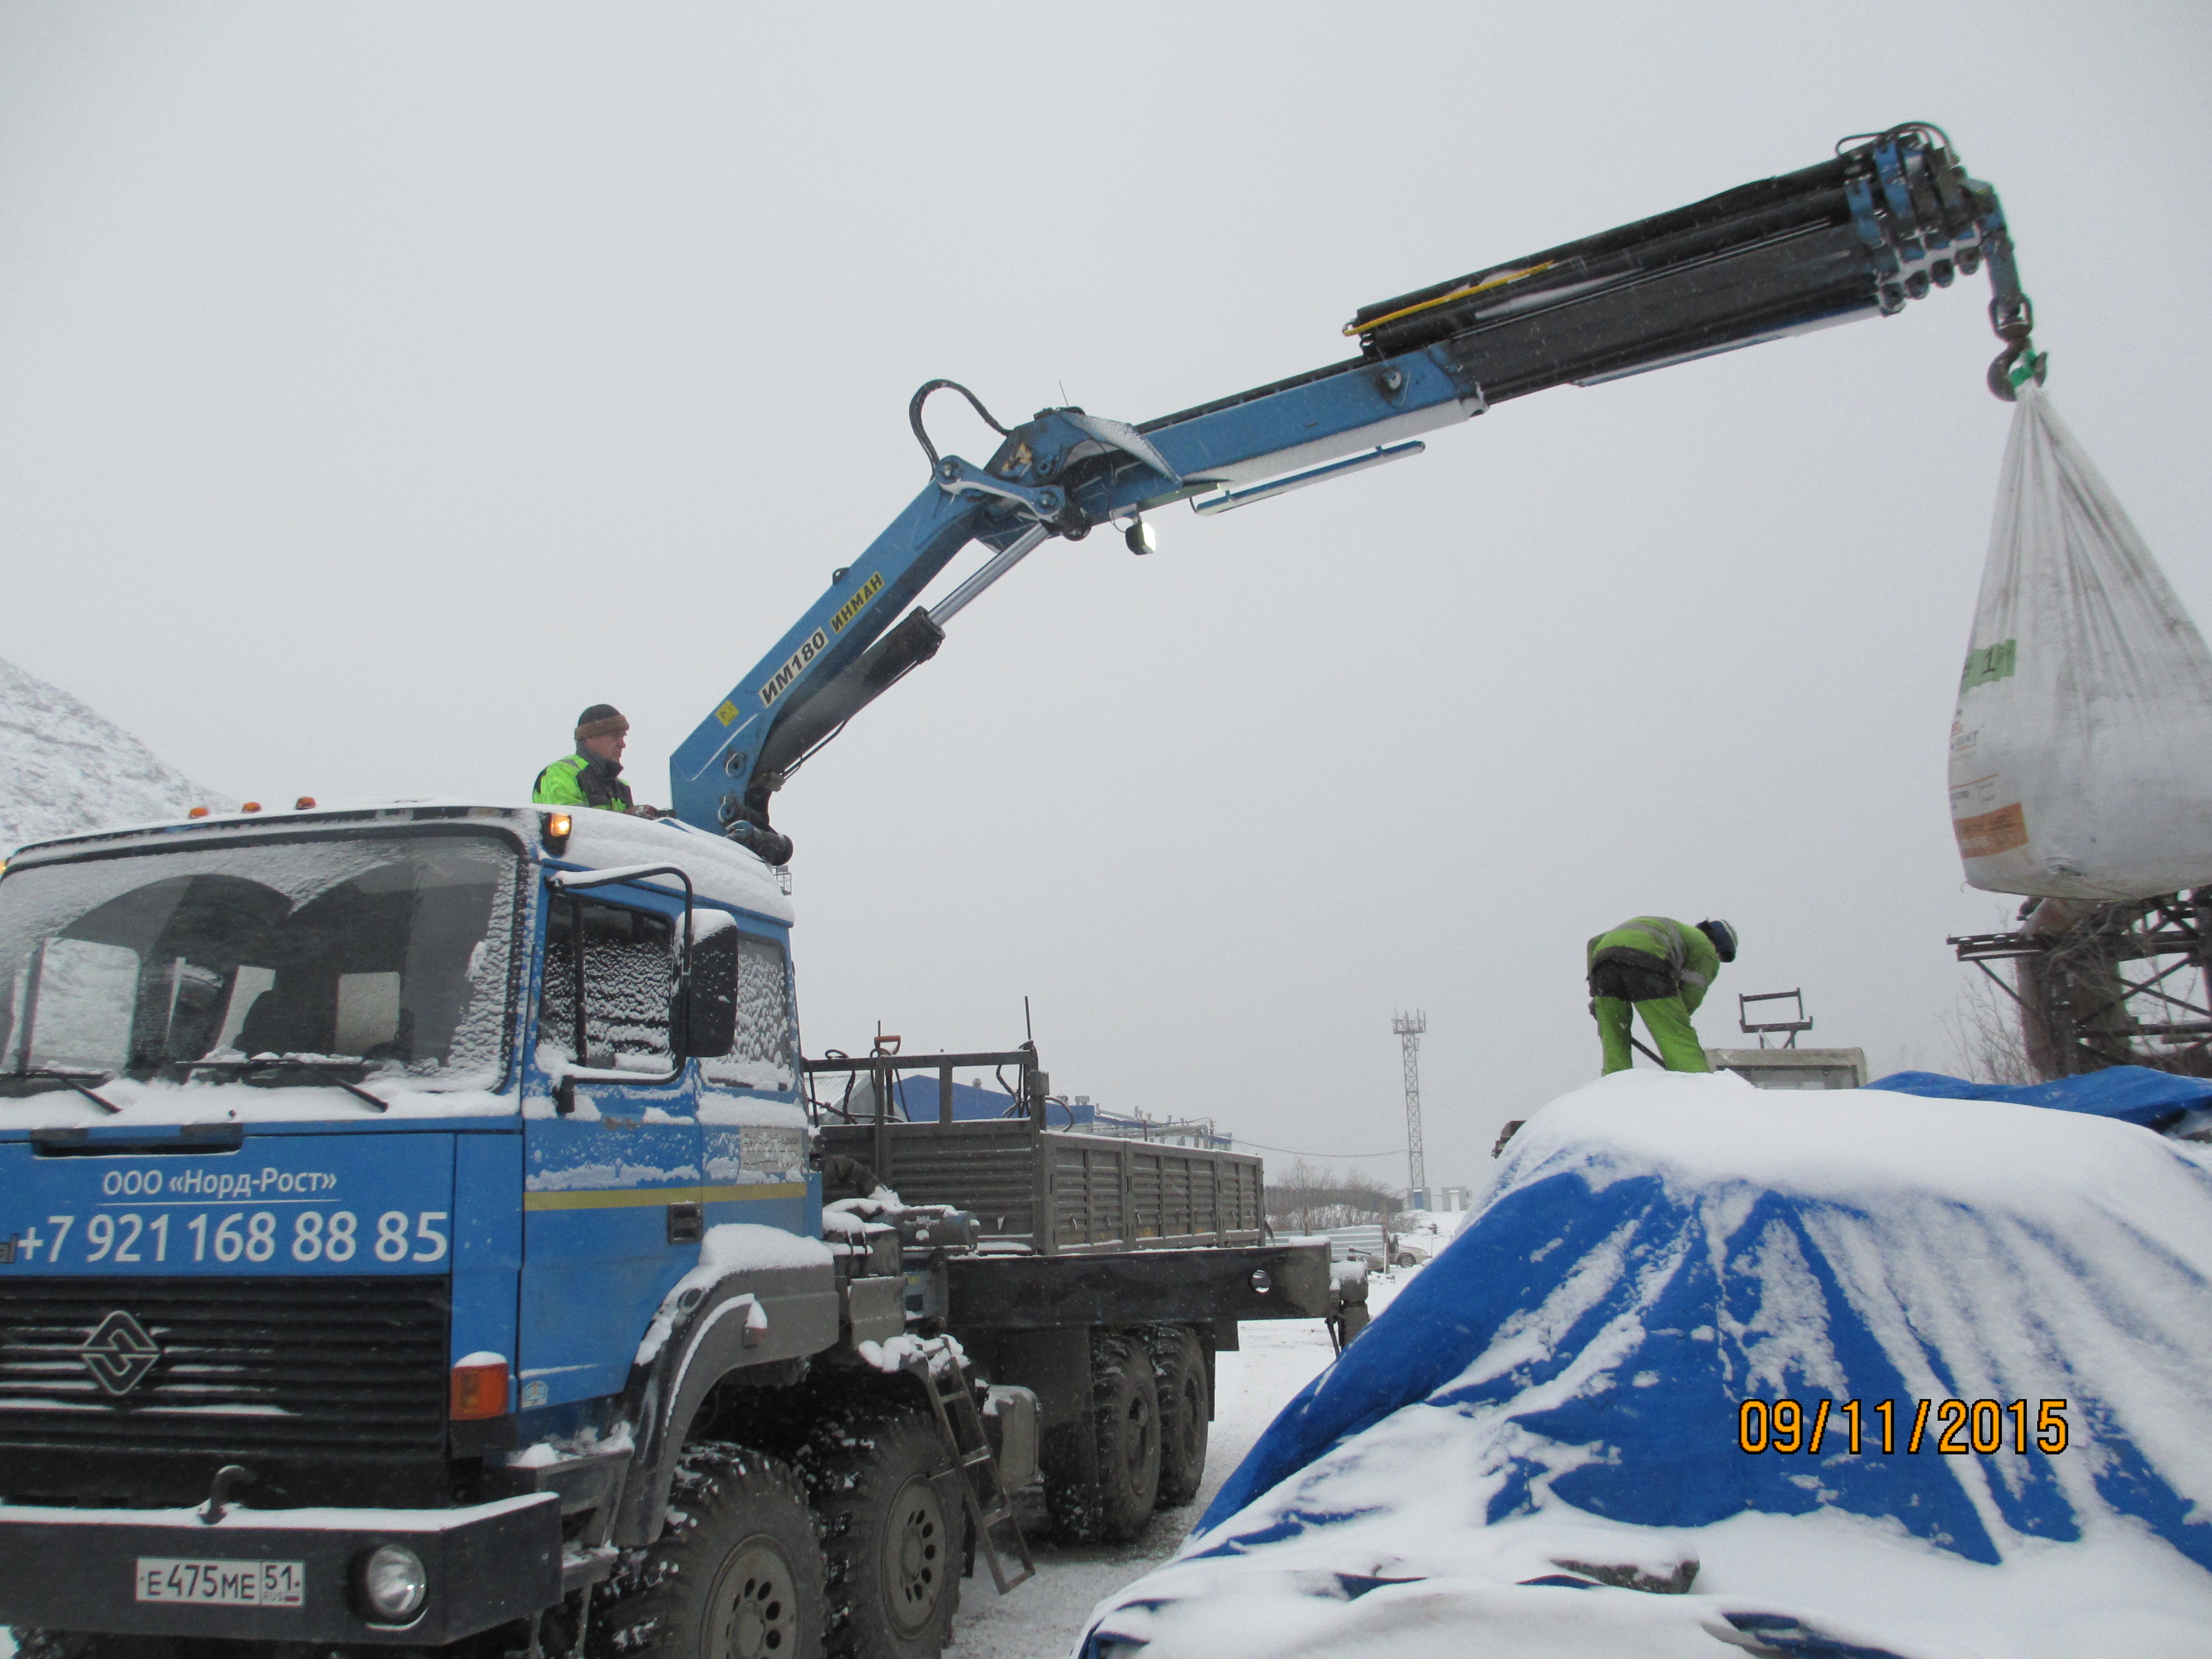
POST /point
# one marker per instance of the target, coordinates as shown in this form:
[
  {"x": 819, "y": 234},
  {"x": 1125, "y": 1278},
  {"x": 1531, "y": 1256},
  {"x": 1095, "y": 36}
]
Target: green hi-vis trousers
[{"x": 1667, "y": 1020}]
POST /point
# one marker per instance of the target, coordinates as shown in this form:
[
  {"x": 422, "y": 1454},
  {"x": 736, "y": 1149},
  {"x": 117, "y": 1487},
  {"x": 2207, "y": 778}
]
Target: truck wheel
[
  {"x": 737, "y": 1573},
  {"x": 891, "y": 1538},
  {"x": 1179, "y": 1362},
  {"x": 1125, "y": 1416}
]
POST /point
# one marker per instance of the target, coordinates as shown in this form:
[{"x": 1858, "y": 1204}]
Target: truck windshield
[{"x": 389, "y": 953}]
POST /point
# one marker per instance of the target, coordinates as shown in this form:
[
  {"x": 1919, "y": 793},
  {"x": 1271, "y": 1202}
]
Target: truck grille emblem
[{"x": 119, "y": 1353}]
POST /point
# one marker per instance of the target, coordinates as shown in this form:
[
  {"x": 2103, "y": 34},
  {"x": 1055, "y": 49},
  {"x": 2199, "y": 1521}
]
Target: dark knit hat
[{"x": 601, "y": 720}]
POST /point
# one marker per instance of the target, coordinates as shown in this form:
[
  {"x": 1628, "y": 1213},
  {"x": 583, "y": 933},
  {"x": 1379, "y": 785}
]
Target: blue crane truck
[{"x": 418, "y": 1227}]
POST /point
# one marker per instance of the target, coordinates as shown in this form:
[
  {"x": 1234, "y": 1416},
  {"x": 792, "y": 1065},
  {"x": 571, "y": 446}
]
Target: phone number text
[{"x": 242, "y": 1235}]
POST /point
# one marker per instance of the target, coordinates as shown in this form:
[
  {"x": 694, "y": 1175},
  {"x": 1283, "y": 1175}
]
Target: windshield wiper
[
  {"x": 80, "y": 1081},
  {"x": 285, "y": 1062}
]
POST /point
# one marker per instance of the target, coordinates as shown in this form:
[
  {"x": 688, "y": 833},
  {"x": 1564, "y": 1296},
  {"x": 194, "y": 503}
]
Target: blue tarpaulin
[
  {"x": 2133, "y": 1094},
  {"x": 1861, "y": 1372},
  {"x": 1821, "y": 1247}
]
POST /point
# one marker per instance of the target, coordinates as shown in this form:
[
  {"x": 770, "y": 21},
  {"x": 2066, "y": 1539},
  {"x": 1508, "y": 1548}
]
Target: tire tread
[{"x": 641, "y": 1608}]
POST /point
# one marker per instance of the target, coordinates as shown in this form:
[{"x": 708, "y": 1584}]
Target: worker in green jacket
[
  {"x": 593, "y": 776},
  {"x": 1662, "y": 970}
]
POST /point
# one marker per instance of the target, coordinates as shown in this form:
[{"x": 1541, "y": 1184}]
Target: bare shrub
[
  {"x": 1985, "y": 1029},
  {"x": 1309, "y": 1199}
]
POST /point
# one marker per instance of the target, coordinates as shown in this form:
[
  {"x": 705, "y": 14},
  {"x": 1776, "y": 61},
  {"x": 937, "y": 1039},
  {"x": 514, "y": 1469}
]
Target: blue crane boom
[{"x": 1890, "y": 217}]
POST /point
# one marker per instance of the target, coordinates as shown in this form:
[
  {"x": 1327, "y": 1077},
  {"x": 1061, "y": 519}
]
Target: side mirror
[{"x": 704, "y": 1022}]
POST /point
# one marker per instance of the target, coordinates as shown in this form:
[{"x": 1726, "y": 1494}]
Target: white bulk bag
[{"x": 2081, "y": 755}]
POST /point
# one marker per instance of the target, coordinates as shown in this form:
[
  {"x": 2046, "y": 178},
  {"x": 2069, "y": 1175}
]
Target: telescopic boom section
[{"x": 1890, "y": 218}]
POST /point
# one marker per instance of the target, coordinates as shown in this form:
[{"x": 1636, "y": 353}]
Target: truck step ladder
[{"x": 960, "y": 1428}]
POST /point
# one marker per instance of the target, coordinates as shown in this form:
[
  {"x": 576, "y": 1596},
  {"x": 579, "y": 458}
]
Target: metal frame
[
  {"x": 1792, "y": 1027},
  {"x": 2080, "y": 1015},
  {"x": 883, "y": 1068}
]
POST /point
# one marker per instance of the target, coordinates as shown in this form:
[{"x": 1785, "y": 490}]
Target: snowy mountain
[{"x": 64, "y": 768}]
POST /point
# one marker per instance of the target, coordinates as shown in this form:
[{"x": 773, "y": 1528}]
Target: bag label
[
  {"x": 1991, "y": 662},
  {"x": 1987, "y": 833}
]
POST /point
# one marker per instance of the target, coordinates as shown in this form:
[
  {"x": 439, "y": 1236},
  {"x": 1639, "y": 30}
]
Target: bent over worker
[
  {"x": 593, "y": 776},
  {"x": 1662, "y": 970}
]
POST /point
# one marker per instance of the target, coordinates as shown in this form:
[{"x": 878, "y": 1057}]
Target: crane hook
[
  {"x": 2017, "y": 362},
  {"x": 2012, "y": 319}
]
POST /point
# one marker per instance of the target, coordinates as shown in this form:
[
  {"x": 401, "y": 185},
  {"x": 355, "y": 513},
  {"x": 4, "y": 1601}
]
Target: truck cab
[{"x": 351, "y": 1152}]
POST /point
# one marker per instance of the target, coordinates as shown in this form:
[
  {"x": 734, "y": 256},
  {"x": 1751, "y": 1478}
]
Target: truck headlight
[{"x": 393, "y": 1584}]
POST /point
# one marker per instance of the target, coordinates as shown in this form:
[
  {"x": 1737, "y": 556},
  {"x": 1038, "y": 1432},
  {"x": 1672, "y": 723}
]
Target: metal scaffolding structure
[
  {"x": 2080, "y": 1011},
  {"x": 1409, "y": 1028}
]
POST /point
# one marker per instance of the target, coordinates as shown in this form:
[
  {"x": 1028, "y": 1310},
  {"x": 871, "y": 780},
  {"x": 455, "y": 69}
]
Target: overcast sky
[{"x": 380, "y": 384}]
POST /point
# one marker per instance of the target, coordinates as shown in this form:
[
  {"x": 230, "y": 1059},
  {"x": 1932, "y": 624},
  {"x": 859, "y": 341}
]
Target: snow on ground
[
  {"x": 1041, "y": 1619},
  {"x": 64, "y": 768}
]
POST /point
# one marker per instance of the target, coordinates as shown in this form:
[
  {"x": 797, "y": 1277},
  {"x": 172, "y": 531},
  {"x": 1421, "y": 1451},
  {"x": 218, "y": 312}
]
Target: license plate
[{"x": 223, "y": 1583}]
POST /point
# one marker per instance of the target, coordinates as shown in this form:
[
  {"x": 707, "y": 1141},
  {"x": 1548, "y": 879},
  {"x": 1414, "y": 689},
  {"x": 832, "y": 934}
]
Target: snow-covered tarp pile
[
  {"x": 64, "y": 768},
  {"x": 1537, "y": 1450}
]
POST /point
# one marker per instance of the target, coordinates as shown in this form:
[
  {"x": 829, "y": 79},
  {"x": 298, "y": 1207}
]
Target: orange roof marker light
[
  {"x": 557, "y": 826},
  {"x": 251, "y": 807},
  {"x": 305, "y": 804},
  {"x": 197, "y": 812}
]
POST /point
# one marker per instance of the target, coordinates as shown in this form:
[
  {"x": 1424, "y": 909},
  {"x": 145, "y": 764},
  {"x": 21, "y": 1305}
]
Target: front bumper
[{"x": 78, "y": 1570}]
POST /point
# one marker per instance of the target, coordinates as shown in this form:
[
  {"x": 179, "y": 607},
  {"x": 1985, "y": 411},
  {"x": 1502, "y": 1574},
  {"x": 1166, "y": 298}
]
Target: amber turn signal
[{"x": 479, "y": 1390}]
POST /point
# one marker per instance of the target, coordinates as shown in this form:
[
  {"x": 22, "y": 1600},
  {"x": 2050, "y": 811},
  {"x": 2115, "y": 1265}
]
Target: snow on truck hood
[{"x": 1543, "y": 1429}]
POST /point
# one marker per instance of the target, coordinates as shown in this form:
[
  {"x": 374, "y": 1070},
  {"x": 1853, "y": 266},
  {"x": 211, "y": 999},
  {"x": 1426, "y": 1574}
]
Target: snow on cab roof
[{"x": 721, "y": 870}]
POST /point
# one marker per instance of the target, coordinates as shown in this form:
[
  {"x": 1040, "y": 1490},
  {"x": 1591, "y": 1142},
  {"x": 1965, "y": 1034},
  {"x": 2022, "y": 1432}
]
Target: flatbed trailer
[{"x": 1084, "y": 1262}]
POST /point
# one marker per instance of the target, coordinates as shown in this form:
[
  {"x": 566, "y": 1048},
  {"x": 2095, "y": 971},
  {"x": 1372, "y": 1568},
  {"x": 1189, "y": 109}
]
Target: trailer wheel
[
  {"x": 737, "y": 1573},
  {"x": 1125, "y": 1418},
  {"x": 1179, "y": 1362},
  {"x": 891, "y": 1538}
]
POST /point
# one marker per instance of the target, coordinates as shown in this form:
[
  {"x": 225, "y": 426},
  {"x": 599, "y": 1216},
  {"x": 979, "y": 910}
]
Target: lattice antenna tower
[{"x": 1409, "y": 1028}]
